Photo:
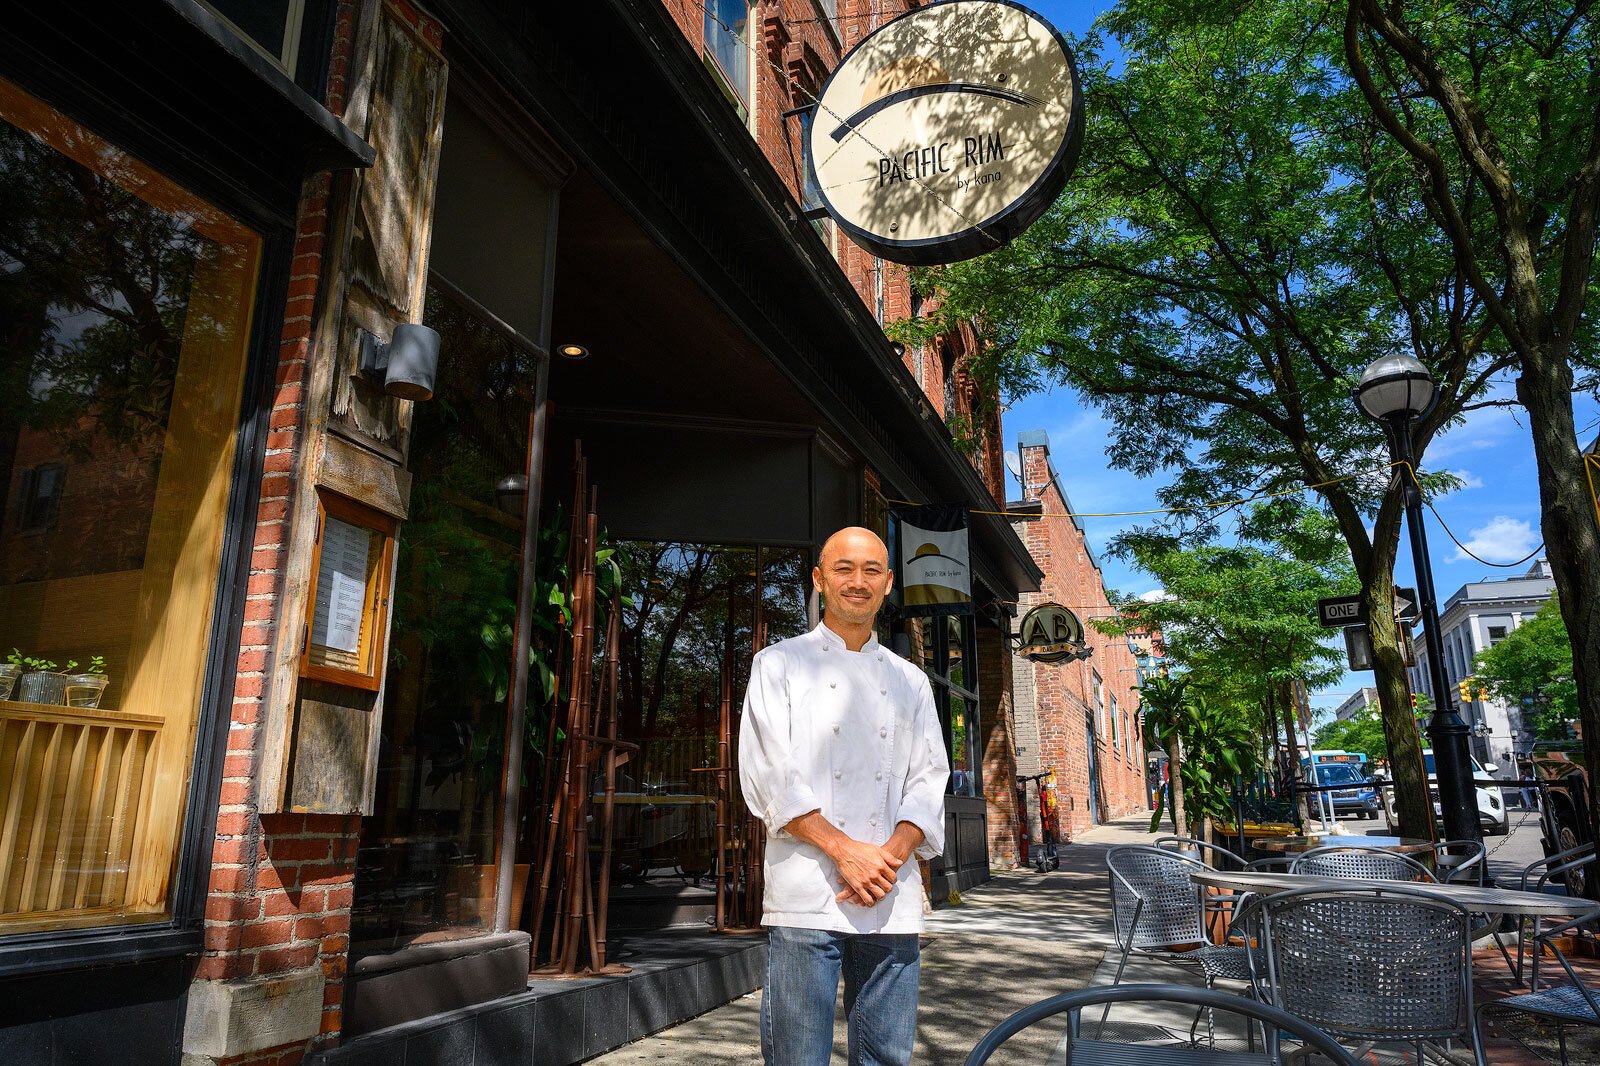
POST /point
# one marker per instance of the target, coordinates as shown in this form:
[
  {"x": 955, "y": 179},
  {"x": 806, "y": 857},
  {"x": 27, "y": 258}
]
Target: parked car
[
  {"x": 1360, "y": 799},
  {"x": 1492, "y": 815}
]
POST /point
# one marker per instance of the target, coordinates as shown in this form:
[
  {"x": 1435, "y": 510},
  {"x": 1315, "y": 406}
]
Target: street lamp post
[{"x": 1395, "y": 391}]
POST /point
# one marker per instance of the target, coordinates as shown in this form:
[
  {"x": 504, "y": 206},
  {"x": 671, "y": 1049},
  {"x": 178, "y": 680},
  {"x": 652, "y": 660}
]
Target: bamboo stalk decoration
[{"x": 589, "y": 734}]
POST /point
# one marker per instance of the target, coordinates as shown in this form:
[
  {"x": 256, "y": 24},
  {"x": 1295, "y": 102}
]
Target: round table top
[
  {"x": 1472, "y": 897},
  {"x": 1401, "y": 845}
]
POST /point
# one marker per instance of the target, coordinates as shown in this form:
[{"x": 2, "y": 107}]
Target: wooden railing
[{"x": 75, "y": 791}]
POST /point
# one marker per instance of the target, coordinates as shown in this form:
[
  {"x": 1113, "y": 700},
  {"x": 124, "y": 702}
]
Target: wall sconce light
[
  {"x": 511, "y": 495},
  {"x": 406, "y": 366},
  {"x": 899, "y": 349},
  {"x": 572, "y": 351}
]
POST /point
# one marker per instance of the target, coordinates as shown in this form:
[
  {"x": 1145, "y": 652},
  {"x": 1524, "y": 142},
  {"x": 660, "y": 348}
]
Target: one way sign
[
  {"x": 1406, "y": 605},
  {"x": 1340, "y": 612}
]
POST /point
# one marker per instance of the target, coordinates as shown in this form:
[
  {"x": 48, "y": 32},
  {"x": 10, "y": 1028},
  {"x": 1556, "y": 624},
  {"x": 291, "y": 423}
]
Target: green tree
[
  {"x": 1164, "y": 702},
  {"x": 1240, "y": 619},
  {"x": 1533, "y": 668},
  {"x": 1361, "y": 732},
  {"x": 1239, "y": 241},
  {"x": 1496, "y": 106}
]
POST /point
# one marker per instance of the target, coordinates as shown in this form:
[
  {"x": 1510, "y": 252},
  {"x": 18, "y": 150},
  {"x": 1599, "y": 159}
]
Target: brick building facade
[{"x": 1079, "y": 718}]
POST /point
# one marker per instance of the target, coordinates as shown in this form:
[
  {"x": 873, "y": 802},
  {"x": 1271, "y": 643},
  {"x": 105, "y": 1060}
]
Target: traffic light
[
  {"x": 1464, "y": 686},
  {"x": 1413, "y": 701}
]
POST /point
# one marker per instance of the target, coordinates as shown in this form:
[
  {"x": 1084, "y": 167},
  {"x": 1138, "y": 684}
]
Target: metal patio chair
[
  {"x": 1563, "y": 1004},
  {"x": 1371, "y": 965},
  {"x": 1275, "y": 1023},
  {"x": 1217, "y": 903},
  {"x": 1552, "y": 874},
  {"x": 1461, "y": 862},
  {"x": 1360, "y": 863},
  {"x": 1158, "y": 910}
]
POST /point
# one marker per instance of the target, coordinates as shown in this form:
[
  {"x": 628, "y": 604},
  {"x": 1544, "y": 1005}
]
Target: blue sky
[{"x": 1496, "y": 513}]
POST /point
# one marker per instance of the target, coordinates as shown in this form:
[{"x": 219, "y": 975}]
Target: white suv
[{"x": 1491, "y": 808}]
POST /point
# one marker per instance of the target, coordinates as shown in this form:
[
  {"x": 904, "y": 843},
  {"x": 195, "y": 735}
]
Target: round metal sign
[
  {"x": 948, "y": 131},
  {"x": 1052, "y": 634}
]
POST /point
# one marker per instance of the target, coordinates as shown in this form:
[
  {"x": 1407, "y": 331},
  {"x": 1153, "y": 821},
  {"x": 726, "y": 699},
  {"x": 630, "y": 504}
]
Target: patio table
[
  {"x": 1472, "y": 897},
  {"x": 1399, "y": 845}
]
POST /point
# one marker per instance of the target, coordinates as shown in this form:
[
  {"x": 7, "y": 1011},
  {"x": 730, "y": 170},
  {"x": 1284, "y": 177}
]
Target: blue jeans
[{"x": 880, "y": 996}]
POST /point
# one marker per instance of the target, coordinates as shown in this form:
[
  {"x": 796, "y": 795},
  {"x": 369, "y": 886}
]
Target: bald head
[
  {"x": 853, "y": 577},
  {"x": 856, "y": 542}
]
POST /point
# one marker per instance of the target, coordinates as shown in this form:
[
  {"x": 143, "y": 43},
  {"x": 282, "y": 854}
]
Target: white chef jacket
[{"x": 855, "y": 736}]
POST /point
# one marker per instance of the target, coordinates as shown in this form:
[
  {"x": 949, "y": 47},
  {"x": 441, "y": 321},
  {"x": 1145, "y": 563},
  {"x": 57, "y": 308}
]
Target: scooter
[{"x": 1043, "y": 856}]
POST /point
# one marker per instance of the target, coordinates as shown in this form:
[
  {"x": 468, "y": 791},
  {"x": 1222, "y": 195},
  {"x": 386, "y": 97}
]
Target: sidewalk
[{"x": 1011, "y": 942}]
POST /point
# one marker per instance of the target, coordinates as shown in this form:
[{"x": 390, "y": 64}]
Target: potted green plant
[
  {"x": 85, "y": 689},
  {"x": 10, "y": 670},
  {"x": 46, "y": 681},
  {"x": 41, "y": 680}
]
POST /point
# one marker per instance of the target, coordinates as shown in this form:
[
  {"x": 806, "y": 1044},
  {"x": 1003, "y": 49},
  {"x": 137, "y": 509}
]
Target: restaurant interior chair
[
  {"x": 1560, "y": 874},
  {"x": 1371, "y": 965},
  {"x": 1079, "y": 1051},
  {"x": 1575, "y": 1002},
  {"x": 1361, "y": 863}
]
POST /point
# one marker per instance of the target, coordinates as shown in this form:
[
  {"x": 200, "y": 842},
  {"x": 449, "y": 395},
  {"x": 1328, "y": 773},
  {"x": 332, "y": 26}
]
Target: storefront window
[
  {"x": 696, "y": 616},
  {"x": 426, "y": 864},
  {"x": 125, "y": 307},
  {"x": 952, "y": 669}
]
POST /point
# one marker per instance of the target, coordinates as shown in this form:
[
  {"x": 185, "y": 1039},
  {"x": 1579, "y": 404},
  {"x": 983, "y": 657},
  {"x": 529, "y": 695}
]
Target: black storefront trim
[{"x": 168, "y": 82}]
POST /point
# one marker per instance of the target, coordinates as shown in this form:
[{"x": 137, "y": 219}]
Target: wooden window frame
[{"x": 374, "y": 612}]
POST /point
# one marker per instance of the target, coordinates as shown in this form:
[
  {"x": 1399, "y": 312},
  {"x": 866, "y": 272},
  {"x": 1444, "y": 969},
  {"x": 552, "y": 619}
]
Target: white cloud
[
  {"x": 1503, "y": 540},
  {"x": 1469, "y": 480},
  {"x": 1154, "y": 596},
  {"x": 1486, "y": 427}
]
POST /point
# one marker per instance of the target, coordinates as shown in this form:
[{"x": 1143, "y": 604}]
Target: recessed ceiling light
[{"x": 573, "y": 351}]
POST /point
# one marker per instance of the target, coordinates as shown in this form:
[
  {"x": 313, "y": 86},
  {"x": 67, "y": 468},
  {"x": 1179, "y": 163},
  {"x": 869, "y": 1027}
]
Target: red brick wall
[
  {"x": 282, "y": 884},
  {"x": 998, "y": 743},
  {"x": 1064, "y": 699}
]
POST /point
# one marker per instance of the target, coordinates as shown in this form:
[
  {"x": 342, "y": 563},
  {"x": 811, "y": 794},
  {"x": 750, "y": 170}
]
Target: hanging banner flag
[
  {"x": 935, "y": 573},
  {"x": 948, "y": 131}
]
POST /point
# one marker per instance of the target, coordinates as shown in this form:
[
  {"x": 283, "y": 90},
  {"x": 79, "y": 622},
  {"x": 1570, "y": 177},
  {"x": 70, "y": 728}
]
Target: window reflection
[
  {"x": 697, "y": 614},
  {"x": 426, "y": 862},
  {"x": 124, "y": 318}
]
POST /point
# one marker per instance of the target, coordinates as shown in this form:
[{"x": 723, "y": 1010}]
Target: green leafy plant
[{"x": 31, "y": 662}]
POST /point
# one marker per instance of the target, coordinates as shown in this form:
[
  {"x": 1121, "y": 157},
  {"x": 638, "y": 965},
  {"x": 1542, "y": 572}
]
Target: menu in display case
[{"x": 350, "y": 599}]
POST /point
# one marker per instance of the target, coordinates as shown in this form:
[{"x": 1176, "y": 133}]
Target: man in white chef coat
[{"x": 842, "y": 756}]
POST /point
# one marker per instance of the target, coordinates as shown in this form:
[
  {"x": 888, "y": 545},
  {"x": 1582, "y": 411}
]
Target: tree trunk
[
  {"x": 1413, "y": 805},
  {"x": 1571, "y": 530},
  {"x": 1301, "y": 798},
  {"x": 1180, "y": 820}
]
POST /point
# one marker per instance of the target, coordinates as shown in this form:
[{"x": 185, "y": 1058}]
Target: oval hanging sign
[
  {"x": 948, "y": 131},
  {"x": 1052, "y": 634}
]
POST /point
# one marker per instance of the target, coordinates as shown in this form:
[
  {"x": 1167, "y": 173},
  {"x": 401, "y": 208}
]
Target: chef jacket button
[
  {"x": 873, "y": 820},
  {"x": 883, "y": 732},
  {"x": 878, "y": 776},
  {"x": 837, "y": 775},
  {"x": 833, "y": 684},
  {"x": 836, "y": 729},
  {"x": 840, "y": 822},
  {"x": 883, "y": 692}
]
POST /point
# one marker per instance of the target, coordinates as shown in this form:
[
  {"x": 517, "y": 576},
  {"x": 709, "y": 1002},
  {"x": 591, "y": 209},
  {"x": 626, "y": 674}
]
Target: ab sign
[{"x": 1052, "y": 634}]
